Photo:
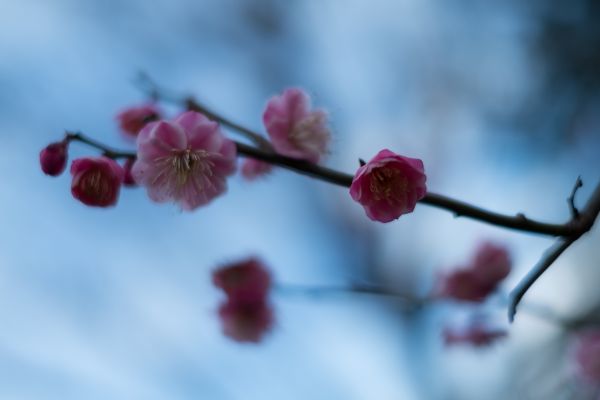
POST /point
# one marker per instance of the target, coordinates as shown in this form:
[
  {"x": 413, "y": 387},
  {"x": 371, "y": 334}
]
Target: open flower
[
  {"x": 133, "y": 119},
  {"x": 53, "y": 158},
  {"x": 186, "y": 161},
  {"x": 96, "y": 181},
  {"x": 296, "y": 130},
  {"x": 389, "y": 185}
]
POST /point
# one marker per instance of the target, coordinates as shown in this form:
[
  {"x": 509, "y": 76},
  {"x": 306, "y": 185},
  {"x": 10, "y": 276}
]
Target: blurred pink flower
[
  {"x": 245, "y": 321},
  {"x": 246, "y": 314},
  {"x": 53, "y": 158},
  {"x": 247, "y": 280},
  {"x": 490, "y": 265},
  {"x": 96, "y": 181},
  {"x": 585, "y": 355},
  {"x": 491, "y": 262},
  {"x": 185, "y": 161},
  {"x": 296, "y": 130},
  {"x": 252, "y": 169},
  {"x": 133, "y": 119},
  {"x": 389, "y": 185}
]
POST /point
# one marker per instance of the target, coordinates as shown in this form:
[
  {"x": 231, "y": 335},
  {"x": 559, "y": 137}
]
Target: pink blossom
[
  {"x": 247, "y": 280},
  {"x": 252, "y": 169},
  {"x": 585, "y": 355},
  {"x": 492, "y": 263},
  {"x": 128, "y": 177},
  {"x": 96, "y": 181},
  {"x": 462, "y": 284},
  {"x": 481, "y": 277},
  {"x": 185, "y": 161},
  {"x": 133, "y": 119},
  {"x": 477, "y": 334},
  {"x": 294, "y": 128},
  {"x": 246, "y": 321},
  {"x": 389, "y": 185},
  {"x": 53, "y": 158}
]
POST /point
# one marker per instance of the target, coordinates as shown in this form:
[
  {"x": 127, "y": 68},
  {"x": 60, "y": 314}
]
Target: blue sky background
[{"x": 117, "y": 303}]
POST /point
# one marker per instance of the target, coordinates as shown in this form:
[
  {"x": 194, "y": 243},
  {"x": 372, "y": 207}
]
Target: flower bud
[{"x": 53, "y": 158}]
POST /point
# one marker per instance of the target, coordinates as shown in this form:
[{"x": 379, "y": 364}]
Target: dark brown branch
[{"x": 458, "y": 208}]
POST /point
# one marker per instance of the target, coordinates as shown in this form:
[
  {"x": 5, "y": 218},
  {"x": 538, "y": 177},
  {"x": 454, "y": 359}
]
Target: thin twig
[
  {"x": 571, "y": 198},
  {"x": 106, "y": 151}
]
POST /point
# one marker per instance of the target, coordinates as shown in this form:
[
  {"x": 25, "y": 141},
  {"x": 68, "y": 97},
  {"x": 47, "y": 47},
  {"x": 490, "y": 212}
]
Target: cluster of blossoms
[
  {"x": 473, "y": 283},
  {"x": 246, "y": 314},
  {"x": 187, "y": 160}
]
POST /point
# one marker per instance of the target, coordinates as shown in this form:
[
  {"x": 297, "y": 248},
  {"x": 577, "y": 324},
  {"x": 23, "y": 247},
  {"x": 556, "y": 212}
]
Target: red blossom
[
  {"x": 96, "y": 181},
  {"x": 389, "y": 185}
]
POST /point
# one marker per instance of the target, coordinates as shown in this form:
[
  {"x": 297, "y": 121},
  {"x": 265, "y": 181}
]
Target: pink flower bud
[
  {"x": 127, "y": 176},
  {"x": 96, "y": 181},
  {"x": 296, "y": 130},
  {"x": 246, "y": 321},
  {"x": 133, "y": 119},
  {"x": 245, "y": 281},
  {"x": 389, "y": 185},
  {"x": 186, "y": 161},
  {"x": 53, "y": 158},
  {"x": 252, "y": 169},
  {"x": 477, "y": 334},
  {"x": 585, "y": 355}
]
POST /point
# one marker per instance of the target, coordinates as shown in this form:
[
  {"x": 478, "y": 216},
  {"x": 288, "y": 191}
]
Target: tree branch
[{"x": 458, "y": 208}]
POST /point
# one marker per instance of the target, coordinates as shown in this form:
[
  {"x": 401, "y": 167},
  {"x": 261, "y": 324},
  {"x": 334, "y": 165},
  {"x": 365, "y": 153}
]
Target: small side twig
[{"x": 571, "y": 198}]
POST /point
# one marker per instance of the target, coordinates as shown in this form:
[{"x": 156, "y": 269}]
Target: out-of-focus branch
[{"x": 583, "y": 221}]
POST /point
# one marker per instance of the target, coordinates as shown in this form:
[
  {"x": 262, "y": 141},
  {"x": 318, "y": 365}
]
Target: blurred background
[{"x": 501, "y": 101}]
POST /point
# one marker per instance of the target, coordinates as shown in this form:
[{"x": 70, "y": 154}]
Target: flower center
[
  {"x": 184, "y": 166},
  {"x": 309, "y": 134},
  {"x": 388, "y": 184},
  {"x": 94, "y": 185}
]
